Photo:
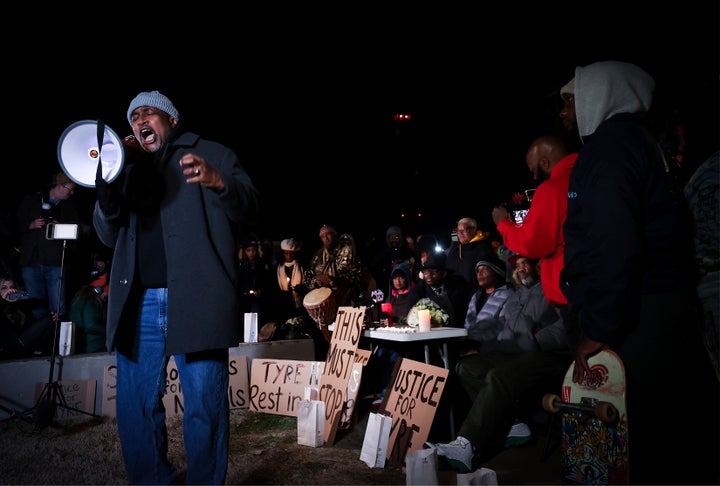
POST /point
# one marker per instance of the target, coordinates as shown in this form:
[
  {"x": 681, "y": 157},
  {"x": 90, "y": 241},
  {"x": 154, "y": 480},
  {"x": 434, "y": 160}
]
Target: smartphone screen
[{"x": 519, "y": 215}]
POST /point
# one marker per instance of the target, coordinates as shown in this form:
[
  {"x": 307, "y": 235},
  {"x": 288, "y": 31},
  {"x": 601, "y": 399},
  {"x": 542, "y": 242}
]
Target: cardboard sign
[
  {"x": 413, "y": 396},
  {"x": 173, "y": 398},
  {"x": 277, "y": 385},
  {"x": 79, "y": 395},
  {"x": 351, "y": 397},
  {"x": 362, "y": 356},
  {"x": 339, "y": 366}
]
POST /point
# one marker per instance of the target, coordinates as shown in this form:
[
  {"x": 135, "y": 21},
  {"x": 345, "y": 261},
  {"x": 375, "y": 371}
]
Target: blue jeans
[
  {"x": 141, "y": 381},
  {"x": 42, "y": 281}
]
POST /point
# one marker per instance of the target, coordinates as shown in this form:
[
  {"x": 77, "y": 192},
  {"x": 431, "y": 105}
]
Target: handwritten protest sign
[
  {"x": 173, "y": 398},
  {"x": 351, "y": 397},
  {"x": 277, "y": 385},
  {"x": 339, "y": 366},
  {"x": 412, "y": 398},
  {"x": 362, "y": 356}
]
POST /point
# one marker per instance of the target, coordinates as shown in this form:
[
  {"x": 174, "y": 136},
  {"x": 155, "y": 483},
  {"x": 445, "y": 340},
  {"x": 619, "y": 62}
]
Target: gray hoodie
[
  {"x": 623, "y": 232},
  {"x": 604, "y": 89}
]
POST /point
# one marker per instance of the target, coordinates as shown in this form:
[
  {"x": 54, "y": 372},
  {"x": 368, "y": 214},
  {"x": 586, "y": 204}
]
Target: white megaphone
[{"x": 80, "y": 149}]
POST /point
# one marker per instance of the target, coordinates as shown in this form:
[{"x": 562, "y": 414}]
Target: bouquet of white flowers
[{"x": 438, "y": 316}]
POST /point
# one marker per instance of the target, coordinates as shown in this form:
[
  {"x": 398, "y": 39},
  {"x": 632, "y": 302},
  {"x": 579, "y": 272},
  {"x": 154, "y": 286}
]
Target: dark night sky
[{"x": 308, "y": 106}]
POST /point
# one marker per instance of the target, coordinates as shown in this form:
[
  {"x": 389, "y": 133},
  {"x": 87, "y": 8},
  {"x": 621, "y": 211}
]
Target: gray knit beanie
[
  {"x": 492, "y": 265},
  {"x": 154, "y": 99}
]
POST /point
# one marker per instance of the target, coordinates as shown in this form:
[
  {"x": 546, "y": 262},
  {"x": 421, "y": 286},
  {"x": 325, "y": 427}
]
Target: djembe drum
[{"x": 322, "y": 307}]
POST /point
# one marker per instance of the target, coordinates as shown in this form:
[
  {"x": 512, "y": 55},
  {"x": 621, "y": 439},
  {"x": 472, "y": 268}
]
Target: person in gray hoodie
[{"x": 628, "y": 273}]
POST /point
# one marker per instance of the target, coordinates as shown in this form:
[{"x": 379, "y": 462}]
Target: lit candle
[
  {"x": 386, "y": 307},
  {"x": 424, "y": 320}
]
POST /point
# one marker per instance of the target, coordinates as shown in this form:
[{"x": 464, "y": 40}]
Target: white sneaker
[
  {"x": 520, "y": 429},
  {"x": 459, "y": 453},
  {"x": 519, "y": 434}
]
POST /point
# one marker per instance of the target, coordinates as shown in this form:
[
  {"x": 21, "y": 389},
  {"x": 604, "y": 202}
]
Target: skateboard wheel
[
  {"x": 548, "y": 402},
  {"x": 606, "y": 412}
]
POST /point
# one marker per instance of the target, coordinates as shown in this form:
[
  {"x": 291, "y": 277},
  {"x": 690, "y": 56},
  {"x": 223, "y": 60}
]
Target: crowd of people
[{"x": 602, "y": 260}]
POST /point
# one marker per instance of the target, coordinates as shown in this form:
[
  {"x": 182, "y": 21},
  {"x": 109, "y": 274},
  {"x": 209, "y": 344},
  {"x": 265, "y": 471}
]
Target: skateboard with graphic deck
[{"x": 594, "y": 444}]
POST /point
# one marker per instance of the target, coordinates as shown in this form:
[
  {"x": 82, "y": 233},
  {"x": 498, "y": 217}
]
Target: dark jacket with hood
[
  {"x": 383, "y": 263},
  {"x": 623, "y": 236},
  {"x": 402, "y": 302}
]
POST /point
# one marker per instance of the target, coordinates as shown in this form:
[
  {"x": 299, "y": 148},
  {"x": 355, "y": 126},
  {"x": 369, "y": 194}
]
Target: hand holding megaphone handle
[{"x": 106, "y": 195}]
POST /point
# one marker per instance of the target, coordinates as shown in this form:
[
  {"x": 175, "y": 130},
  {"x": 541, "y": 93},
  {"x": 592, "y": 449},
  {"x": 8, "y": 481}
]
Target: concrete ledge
[{"x": 18, "y": 378}]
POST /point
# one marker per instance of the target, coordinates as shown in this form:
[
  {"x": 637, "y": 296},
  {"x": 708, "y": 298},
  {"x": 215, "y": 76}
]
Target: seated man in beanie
[
  {"x": 526, "y": 356},
  {"x": 486, "y": 307}
]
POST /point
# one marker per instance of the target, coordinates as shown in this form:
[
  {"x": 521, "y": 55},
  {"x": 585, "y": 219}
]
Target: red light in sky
[{"x": 401, "y": 117}]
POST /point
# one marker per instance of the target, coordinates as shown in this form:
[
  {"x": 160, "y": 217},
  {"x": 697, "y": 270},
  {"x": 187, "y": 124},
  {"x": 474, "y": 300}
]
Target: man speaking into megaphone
[{"x": 172, "y": 219}]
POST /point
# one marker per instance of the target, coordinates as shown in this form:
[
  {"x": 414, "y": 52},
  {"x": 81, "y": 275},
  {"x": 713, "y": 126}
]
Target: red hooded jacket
[{"x": 541, "y": 233}]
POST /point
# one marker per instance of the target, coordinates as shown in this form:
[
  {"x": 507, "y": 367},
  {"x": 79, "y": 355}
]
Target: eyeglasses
[{"x": 69, "y": 188}]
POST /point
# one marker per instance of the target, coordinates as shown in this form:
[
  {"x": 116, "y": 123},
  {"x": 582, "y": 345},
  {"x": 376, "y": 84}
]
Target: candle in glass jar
[{"x": 424, "y": 320}]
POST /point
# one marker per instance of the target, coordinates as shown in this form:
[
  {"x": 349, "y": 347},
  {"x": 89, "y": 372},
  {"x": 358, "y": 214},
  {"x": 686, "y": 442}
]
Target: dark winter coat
[{"x": 200, "y": 232}]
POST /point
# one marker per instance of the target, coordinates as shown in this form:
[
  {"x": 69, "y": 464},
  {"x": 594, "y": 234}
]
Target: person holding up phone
[{"x": 540, "y": 234}]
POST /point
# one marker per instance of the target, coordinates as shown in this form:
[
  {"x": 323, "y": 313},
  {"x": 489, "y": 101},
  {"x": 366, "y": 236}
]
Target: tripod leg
[
  {"x": 50, "y": 399},
  {"x": 44, "y": 413},
  {"x": 59, "y": 398},
  {"x": 12, "y": 414}
]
